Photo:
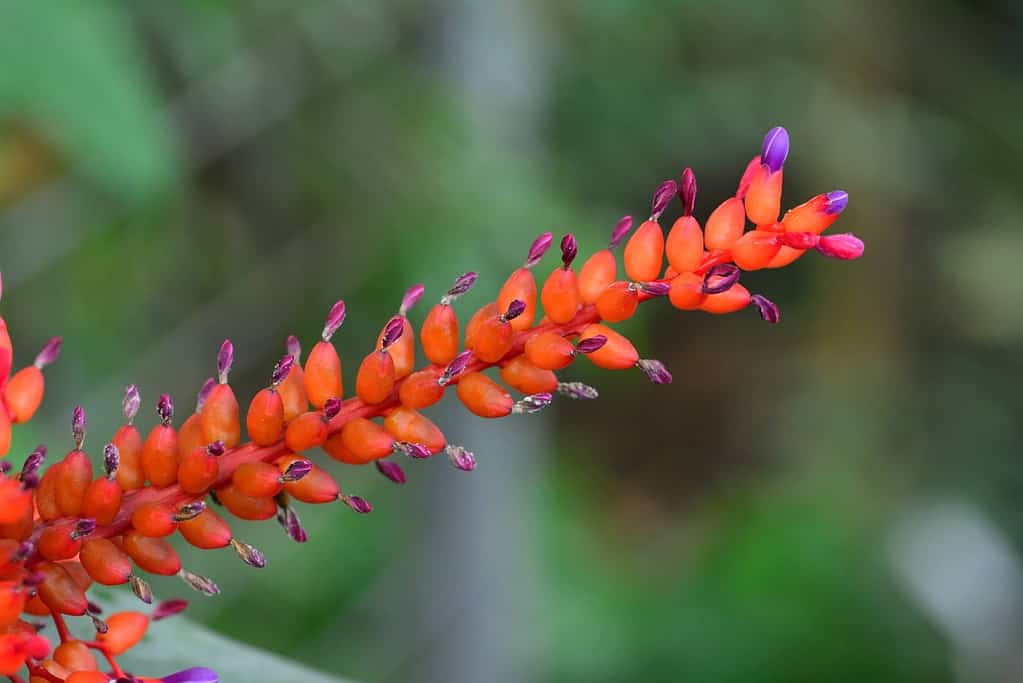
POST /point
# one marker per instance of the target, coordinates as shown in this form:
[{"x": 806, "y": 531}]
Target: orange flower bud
[{"x": 483, "y": 396}]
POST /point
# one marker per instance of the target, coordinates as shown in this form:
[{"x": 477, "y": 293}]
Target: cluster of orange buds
[{"x": 65, "y": 528}]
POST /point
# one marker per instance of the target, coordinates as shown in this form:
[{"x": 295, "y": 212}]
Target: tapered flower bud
[
  {"x": 461, "y": 458},
  {"x": 248, "y": 554},
  {"x": 533, "y": 403},
  {"x": 845, "y": 246},
  {"x": 655, "y": 371},
  {"x": 662, "y": 197},
  {"x": 577, "y": 391},
  {"x": 391, "y": 470},
  {"x": 198, "y": 582},
  {"x": 169, "y": 608},
  {"x": 768, "y": 309}
]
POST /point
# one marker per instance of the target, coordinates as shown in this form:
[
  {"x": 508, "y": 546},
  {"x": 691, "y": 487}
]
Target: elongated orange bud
[
  {"x": 323, "y": 367},
  {"x": 102, "y": 498},
  {"x": 154, "y": 555},
  {"x": 405, "y": 424},
  {"x": 199, "y": 469},
  {"x": 550, "y": 351},
  {"x": 309, "y": 430},
  {"x": 59, "y": 591},
  {"x": 684, "y": 246},
  {"x": 76, "y": 657},
  {"x": 560, "y": 293},
  {"x": 521, "y": 285},
  {"x": 264, "y": 480},
  {"x": 483, "y": 396},
  {"x": 494, "y": 338},
  {"x": 439, "y": 333},
  {"x": 219, "y": 416},
  {"x": 617, "y": 353},
  {"x": 363, "y": 441},
  {"x": 685, "y": 293},
  {"x": 206, "y": 531},
  {"x": 46, "y": 493},
  {"x": 315, "y": 487},
  {"x": 128, "y": 443},
  {"x": 817, "y": 214},
  {"x": 735, "y": 298},
  {"x": 521, "y": 375},
  {"x": 24, "y": 390},
  {"x": 161, "y": 519},
  {"x": 420, "y": 389},
  {"x": 105, "y": 562},
  {"x": 60, "y": 542},
  {"x": 725, "y": 224},
  {"x": 600, "y": 270},
  {"x": 124, "y": 631},
  {"x": 160, "y": 450},
  {"x": 292, "y": 389},
  {"x": 618, "y": 302},
  {"x": 403, "y": 349},
  {"x": 76, "y": 470},
  {"x": 644, "y": 252},
  {"x": 246, "y": 507},
  {"x": 485, "y": 312},
  {"x": 755, "y": 249},
  {"x": 375, "y": 379},
  {"x": 265, "y": 417},
  {"x": 763, "y": 198},
  {"x": 190, "y": 435}
]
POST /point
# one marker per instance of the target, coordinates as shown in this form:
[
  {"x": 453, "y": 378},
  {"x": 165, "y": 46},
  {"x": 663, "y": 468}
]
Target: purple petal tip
[
  {"x": 655, "y": 288},
  {"x": 78, "y": 426},
  {"x": 622, "y": 229},
  {"x": 775, "y": 149},
  {"x": 456, "y": 366},
  {"x": 169, "y": 608},
  {"x": 48, "y": 354},
  {"x": 111, "y": 459},
  {"x": 569, "y": 249},
  {"x": 461, "y": 457},
  {"x": 281, "y": 369},
  {"x": 767, "y": 308},
  {"x": 515, "y": 309},
  {"x": 391, "y": 470},
  {"x": 131, "y": 403},
  {"x": 293, "y": 346},
  {"x": 297, "y": 470},
  {"x": 165, "y": 408},
  {"x": 662, "y": 197},
  {"x": 392, "y": 331},
  {"x": 462, "y": 285},
  {"x": 412, "y": 296},
  {"x": 335, "y": 318},
  {"x": 591, "y": 344},
  {"x": 331, "y": 408},
  {"x": 193, "y": 675},
  {"x": 687, "y": 191},
  {"x": 358, "y": 503},
  {"x": 225, "y": 359},
  {"x": 655, "y": 371},
  {"x": 836, "y": 201},
  {"x": 216, "y": 449},
  {"x": 539, "y": 247},
  {"x": 204, "y": 393},
  {"x": 720, "y": 278}
]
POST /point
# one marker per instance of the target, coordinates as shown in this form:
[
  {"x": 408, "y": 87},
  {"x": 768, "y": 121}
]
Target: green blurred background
[{"x": 835, "y": 498}]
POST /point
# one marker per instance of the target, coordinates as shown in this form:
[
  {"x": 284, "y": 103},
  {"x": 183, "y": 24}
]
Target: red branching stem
[
  {"x": 105, "y": 651},
  {"x": 15, "y": 678},
  {"x": 62, "y": 630}
]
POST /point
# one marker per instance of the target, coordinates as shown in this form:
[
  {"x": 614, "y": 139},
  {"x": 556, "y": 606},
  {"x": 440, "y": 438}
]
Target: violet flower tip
[
  {"x": 622, "y": 229},
  {"x": 569, "y": 249},
  {"x": 412, "y": 296},
  {"x": 130, "y": 404},
  {"x": 775, "y": 149},
  {"x": 335, "y": 318},
  {"x": 392, "y": 331},
  {"x": 662, "y": 197},
  {"x": 835, "y": 202},
  {"x": 538, "y": 248},
  {"x": 49, "y": 353}
]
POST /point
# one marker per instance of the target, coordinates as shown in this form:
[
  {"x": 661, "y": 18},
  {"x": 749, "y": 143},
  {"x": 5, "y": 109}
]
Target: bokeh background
[{"x": 834, "y": 498}]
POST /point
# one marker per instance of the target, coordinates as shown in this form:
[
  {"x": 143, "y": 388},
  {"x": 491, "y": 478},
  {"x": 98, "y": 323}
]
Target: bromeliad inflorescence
[{"x": 66, "y": 527}]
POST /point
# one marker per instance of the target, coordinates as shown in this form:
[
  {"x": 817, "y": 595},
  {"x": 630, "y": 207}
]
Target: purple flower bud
[
  {"x": 391, "y": 470},
  {"x": 281, "y": 370},
  {"x": 83, "y": 528},
  {"x": 165, "y": 409},
  {"x": 93, "y": 608},
  {"x": 768, "y": 309},
  {"x": 190, "y": 511},
  {"x": 296, "y": 471},
  {"x": 34, "y": 461},
  {"x": 655, "y": 371},
  {"x": 655, "y": 288},
  {"x": 515, "y": 309},
  {"x": 687, "y": 191},
  {"x": 461, "y": 457},
  {"x": 294, "y": 347},
  {"x": 249, "y": 555},
  {"x": 539, "y": 247},
  {"x": 357, "y": 503},
  {"x": 194, "y": 675},
  {"x": 577, "y": 390},
  {"x": 462, "y": 285},
  {"x": 48, "y": 353},
  {"x": 293, "y": 526},
  {"x": 111, "y": 460},
  {"x": 569, "y": 249},
  {"x": 662, "y": 197},
  {"x": 392, "y": 331},
  {"x": 720, "y": 278},
  {"x": 141, "y": 589},
  {"x": 335, "y": 317},
  {"x": 533, "y": 403},
  {"x": 845, "y": 246},
  {"x": 198, "y": 582},
  {"x": 412, "y": 296},
  {"x": 204, "y": 393},
  {"x": 622, "y": 229},
  {"x": 412, "y": 450},
  {"x": 836, "y": 201},
  {"x": 168, "y": 608},
  {"x": 6, "y": 466},
  {"x": 131, "y": 402},
  {"x": 216, "y": 449},
  {"x": 78, "y": 426},
  {"x": 331, "y": 408},
  {"x": 30, "y": 481},
  {"x": 225, "y": 359},
  {"x": 591, "y": 344},
  {"x": 456, "y": 366},
  {"x": 775, "y": 149}
]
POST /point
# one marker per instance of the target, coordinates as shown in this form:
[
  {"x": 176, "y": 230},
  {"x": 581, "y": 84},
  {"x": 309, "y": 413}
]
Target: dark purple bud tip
[
  {"x": 655, "y": 371},
  {"x": 462, "y": 285},
  {"x": 767, "y": 308},
  {"x": 412, "y": 296},
  {"x": 195, "y": 675},
  {"x": 662, "y": 197},
  {"x": 93, "y": 608},
  {"x": 296, "y": 471},
  {"x": 655, "y": 288},
  {"x": 281, "y": 370},
  {"x": 165, "y": 409},
  {"x": 48, "y": 353},
  {"x": 538, "y": 248},
  {"x": 84, "y": 527},
  {"x": 294, "y": 347},
  {"x": 775, "y": 149},
  {"x": 412, "y": 450},
  {"x": 168, "y": 608},
  {"x": 357, "y": 503},
  {"x": 293, "y": 526},
  {"x": 111, "y": 460},
  {"x": 577, "y": 391},
  {"x": 204, "y": 393},
  {"x": 720, "y": 278},
  {"x": 190, "y": 511},
  {"x": 6, "y": 466},
  {"x": 216, "y": 449},
  {"x": 248, "y": 554},
  {"x": 622, "y": 229},
  {"x": 461, "y": 457},
  {"x": 331, "y": 408},
  {"x": 335, "y": 317},
  {"x": 34, "y": 461},
  {"x": 533, "y": 403},
  {"x": 130, "y": 404},
  {"x": 225, "y": 359},
  {"x": 569, "y": 250},
  {"x": 78, "y": 426},
  {"x": 392, "y": 331},
  {"x": 515, "y": 309},
  {"x": 687, "y": 191},
  {"x": 845, "y": 246},
  {"x": 835, "y": 202},
  {"x": 391, "y": 470},
  {"x": 456, "y": 366},
  {"x": 591, "y": 344}
]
